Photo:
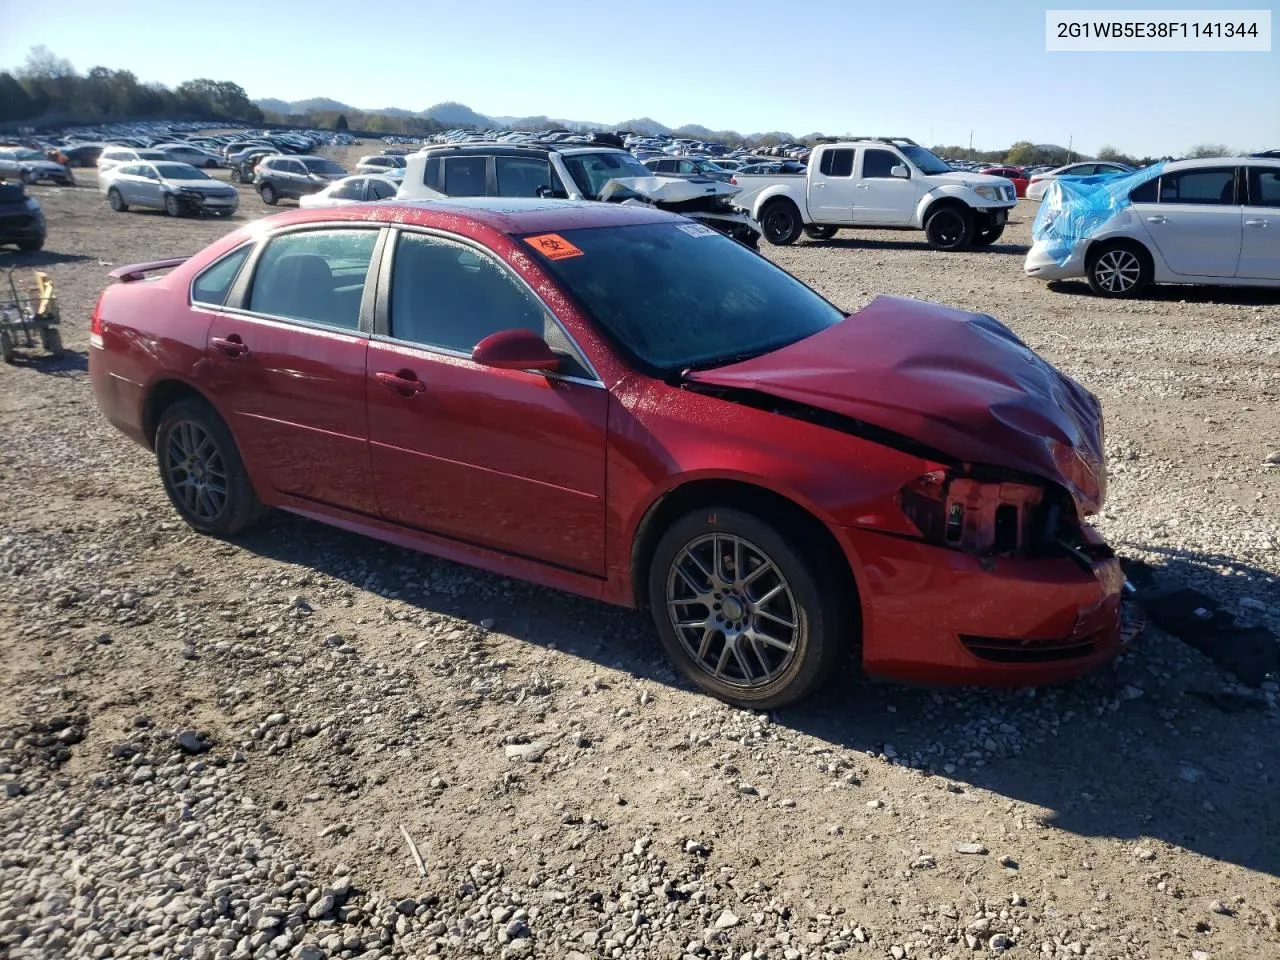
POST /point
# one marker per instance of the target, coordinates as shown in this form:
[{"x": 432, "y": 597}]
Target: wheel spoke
[{"x": 718, "y": 587}]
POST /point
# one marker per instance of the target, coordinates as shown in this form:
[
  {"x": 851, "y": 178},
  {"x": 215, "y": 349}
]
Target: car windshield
[
  {"x": 322, "y": 166},
  {"x": 591, "y": 171},
  {"x": 151, "y": 155},
  {"x": 677, "y": 295},
  {"x": 26, "y": 154},
  {"x": 180, "y": 171},
  {"x": 924, "y": 160}
]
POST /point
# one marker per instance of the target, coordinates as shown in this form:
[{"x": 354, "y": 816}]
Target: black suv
[
  {"x": 21, "y": 219},
  {"x": 287, "y": 178}
]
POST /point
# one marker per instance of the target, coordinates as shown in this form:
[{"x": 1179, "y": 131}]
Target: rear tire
[
  {"x": 780, "y": 223},
  {"x": 31, "y": 246},
  {"x": 815, "y": 232},
  {"x": 949, "y": 228},
  {"x": 234, "y": 175},
  {"x": 202, "y": 472},
  {"x": 268, "y": 194},
  {"x": 774, "y": 624},
  {"x": 116, "y": 201},
  {"x": 1119, "y": 269}
]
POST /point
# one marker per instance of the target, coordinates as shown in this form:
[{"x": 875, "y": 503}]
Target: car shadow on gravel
[
  {"x": 1173, "y": 293},
  {"x": 34, "y": 259},
  {"x": 1161, "y": 747},
  {"x": 1101, "y": 761},
  {"x": 858, "y": 243},
  {"x": 33, "y": 358}
]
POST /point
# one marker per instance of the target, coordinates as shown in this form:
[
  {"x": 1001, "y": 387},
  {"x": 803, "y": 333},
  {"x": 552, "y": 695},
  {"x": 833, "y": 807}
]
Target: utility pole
[
  {"x": 970, "y": 144},
  {"x": 1070, "y": 140}
]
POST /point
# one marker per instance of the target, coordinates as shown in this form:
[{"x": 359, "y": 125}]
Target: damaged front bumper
[{"x": 936, "y": 615}]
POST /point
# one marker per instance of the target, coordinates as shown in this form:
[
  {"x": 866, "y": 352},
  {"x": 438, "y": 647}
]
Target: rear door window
[
  {"x": 466, "y": 176},
  {"x": 381, "y": 190},
  {"x": 837, "y": 163},
  {"x": 522, "y": 176},
  {"x": 317, "y": 276}
]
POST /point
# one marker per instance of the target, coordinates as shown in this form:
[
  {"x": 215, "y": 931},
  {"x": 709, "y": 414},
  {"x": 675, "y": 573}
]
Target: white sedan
[
  {"x": 1214, "y": 221},
  {"x": 358, "y": 189},
  {"x": 1039, "y": 182}
]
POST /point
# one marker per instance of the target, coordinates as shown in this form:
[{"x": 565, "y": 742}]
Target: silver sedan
[{"x": 175, "y": 188}]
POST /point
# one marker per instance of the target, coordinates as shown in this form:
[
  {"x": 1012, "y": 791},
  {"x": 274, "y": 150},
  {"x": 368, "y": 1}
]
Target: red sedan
[
  {"x": 621, "y": 403},
  {"x": 1015, "y": 174}
]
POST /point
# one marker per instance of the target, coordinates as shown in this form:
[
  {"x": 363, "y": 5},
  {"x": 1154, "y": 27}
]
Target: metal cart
[{"x": 27, "y": 312}]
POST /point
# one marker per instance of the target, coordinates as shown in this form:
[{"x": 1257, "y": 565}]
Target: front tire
[
  {"x": 815, "y": 232},
  {"x": 31, "y": 246},
  {"x": 780, "y": 223},
  {"x": 172, "y": 206},
  {"x": 268, "y": 194},
  {"x": 988, "y": 236},
  {"x": 51, "y": 340},
  {"x": 202, "y": 472},
  {"x": 746, "y": 612},
  {"x": 116, "y": 201},
  {"x": 949, "y": 228},
  {"x": 1121, "y": 269}
]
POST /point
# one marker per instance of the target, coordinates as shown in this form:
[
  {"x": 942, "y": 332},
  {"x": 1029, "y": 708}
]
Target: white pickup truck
[{"x": 882, "y": 183}]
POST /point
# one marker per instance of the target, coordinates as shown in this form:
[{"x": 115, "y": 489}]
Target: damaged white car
[
  {"x": 575, "y": 172},
  {"x": 1214, "y": 221}
]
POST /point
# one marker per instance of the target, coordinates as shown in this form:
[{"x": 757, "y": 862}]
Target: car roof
[
  {"x": 510, "y": 215},
  {"x": 1221, "y": 161}
]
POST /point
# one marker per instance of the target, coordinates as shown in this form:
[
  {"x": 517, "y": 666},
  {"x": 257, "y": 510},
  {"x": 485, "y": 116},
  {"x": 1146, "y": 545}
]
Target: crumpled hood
[
  {"x": 671, "y": 189},
  {"x": 962, "y": 383}
]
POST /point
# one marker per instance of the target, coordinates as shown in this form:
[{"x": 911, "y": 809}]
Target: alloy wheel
[
  {"x": 196, "y": 471},
  {"x": 733, "y": 610},
  {"x": 1117, "y": 271}
]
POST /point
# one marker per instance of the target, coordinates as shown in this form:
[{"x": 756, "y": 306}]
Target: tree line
[{"x": 48, "y": 89}]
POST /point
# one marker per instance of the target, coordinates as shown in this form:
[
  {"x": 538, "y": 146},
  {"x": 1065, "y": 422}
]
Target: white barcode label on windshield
[{"x": 697, "y": 230}]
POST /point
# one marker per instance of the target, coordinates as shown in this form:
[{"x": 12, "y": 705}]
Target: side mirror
[
  {"x": 551, "y": 193},
  {"x": 901, "y": 171},
  {"x": 515, "y": 350}
]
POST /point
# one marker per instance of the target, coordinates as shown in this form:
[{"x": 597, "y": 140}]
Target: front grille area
[{"x": 1005, "y": 650}]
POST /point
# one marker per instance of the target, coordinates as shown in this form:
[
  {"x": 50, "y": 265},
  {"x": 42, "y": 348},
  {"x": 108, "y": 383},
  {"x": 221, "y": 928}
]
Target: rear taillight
[
  {"x": 734, "y": 181},
  {"x": 95, "y": 324}
]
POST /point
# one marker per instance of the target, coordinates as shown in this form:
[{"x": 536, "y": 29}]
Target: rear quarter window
[{"x": 212, "y": 286}]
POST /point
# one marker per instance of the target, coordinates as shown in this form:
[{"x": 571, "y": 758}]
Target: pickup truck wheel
[
  {"x": 815, "y": 232},
  {"x": 780, "y": 223},
  {"x": 949, "y": 228},
  {"x": 984, "y": 238}
]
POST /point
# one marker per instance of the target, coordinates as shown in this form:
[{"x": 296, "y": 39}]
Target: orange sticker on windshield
[{"x": 553, "y": 246}]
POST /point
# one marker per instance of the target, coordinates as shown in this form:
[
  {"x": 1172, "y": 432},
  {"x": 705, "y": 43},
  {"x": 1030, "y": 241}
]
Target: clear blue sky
[{"x": 930, "y": 70}]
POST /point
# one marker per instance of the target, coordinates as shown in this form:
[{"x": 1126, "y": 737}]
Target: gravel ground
[{"x": 215, "y": 749}]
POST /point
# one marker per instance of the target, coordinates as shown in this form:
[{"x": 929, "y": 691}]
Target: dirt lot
[{"x": 330, "y": 691}]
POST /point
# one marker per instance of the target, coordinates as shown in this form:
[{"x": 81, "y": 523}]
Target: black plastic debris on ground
[{"x": 1251, "y": 653}]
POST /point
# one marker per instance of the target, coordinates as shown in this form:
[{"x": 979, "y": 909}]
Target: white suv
[{"x": 576, "y": 172}]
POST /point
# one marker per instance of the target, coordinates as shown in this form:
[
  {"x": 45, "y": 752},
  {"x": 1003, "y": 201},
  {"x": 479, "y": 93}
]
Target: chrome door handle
[
  {"x": 863, "y": 186},
  {"x": 1255, "y": 223},
  {"x": 1157, "y": 219}
]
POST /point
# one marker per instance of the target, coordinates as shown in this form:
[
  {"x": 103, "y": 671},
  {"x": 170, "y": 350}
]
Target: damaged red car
[{"x": 622, "y": 403}]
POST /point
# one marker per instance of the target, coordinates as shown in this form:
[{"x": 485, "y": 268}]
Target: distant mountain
[
  {"x": 302, "y": 106},
  {"x": 542, "y": 122},
  {"x": 694, "y": 130},
  {"x": 456, "y": 115},
  {"x": 272, "y": 105},
  {"x": 646, "y": 125}
]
